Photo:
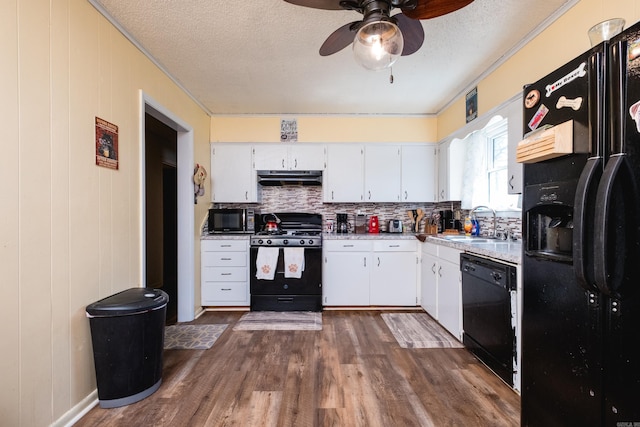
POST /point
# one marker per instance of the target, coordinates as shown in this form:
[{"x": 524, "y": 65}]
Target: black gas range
[{"x": 286, "y": 265}]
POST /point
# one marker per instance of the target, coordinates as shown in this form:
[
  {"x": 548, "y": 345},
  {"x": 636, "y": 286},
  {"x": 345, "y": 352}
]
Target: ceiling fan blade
[
  {"x": 427, "y": 9},
  {"x": 412, "y": 33},
  {"x": 318, "y": 4},
  {"x": 339, "y": 39}
]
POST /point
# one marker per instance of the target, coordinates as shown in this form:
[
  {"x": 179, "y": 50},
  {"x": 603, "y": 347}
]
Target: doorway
[
  {"x": 185, "y": 207},
  {"x": 161, "y": 211}
]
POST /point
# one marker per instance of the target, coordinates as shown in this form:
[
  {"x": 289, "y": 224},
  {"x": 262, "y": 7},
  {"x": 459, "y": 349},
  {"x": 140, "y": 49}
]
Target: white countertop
[
  {"x": 225, "y": 236},
  {"x": 368, "y": 236},
  {"x": 508, "y": 251},
  {"x": 501, "y": 250}
]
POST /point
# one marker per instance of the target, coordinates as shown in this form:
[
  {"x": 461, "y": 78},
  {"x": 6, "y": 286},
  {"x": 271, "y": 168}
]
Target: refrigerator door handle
[
  {"x": 585, "y": 199},
  {"x": 616, "y": 231},
  {"x": 582, "y": 223}
]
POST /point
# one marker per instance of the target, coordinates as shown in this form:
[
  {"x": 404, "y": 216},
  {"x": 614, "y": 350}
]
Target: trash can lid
[{"x": 130, "y": 301}]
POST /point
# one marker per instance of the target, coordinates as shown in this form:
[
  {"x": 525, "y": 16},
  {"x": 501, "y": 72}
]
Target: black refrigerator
[{"x": 581, "y": 243}]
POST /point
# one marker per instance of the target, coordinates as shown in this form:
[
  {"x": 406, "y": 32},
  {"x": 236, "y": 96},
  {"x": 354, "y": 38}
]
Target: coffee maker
[
  {"x": 342, "y": 223},
  {"x": 447, "y": 221}
]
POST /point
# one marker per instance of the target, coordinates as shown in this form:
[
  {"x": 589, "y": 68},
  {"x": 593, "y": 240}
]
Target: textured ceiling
[{"x": 261, "y": 56}]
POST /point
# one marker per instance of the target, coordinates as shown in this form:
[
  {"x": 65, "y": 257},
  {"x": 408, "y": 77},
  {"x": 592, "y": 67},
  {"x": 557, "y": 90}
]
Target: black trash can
[{"x": 127, "y": 332}]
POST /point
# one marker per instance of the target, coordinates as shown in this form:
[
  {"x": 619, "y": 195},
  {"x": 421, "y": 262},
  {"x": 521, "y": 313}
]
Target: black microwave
[{"x": 231, "y": 221}]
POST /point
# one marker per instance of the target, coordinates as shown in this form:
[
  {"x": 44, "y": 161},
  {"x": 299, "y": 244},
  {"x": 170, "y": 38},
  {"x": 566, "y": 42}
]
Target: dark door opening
[{"x": 161, "y": 233}]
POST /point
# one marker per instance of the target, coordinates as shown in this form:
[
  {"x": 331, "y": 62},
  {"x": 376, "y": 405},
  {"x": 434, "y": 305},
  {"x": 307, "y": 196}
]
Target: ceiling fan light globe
[{"x": 378, "y": 45}]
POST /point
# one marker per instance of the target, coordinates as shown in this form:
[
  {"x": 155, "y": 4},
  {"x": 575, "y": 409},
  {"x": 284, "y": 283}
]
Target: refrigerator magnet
[
  {"x": 634, "y": 111},
  {"x": 578, "y": 72},
  {"x": 532, "y": 98},
  {"x": 634, "y": 50},
  {"x": 538, "y": 116},
  {"x": 574, "y": 104}
]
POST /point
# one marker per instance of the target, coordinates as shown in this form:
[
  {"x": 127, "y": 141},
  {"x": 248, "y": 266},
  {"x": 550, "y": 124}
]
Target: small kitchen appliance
[
  {"x": 231, "y": 221},
  {"x": 395, "y": 226},
  {"x": 360, "y": 224},
  {"x": 374, "y": 225},
  {"x": 342, "y": 223}
]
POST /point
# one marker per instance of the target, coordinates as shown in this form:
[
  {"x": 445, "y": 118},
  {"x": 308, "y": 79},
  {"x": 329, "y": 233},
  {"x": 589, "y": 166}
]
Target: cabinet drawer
[
  {"x": 224, "y": 245},
  {"x": 224, "y": 259},
  {"x": 213, "y": 292},
  {"x": 347, "y": 245},
  {"x": 224, "y": 274},
  {"x": 395, "y": 245}
]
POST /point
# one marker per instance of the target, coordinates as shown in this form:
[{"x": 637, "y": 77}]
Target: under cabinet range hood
[{"x": 278, "y": 178}]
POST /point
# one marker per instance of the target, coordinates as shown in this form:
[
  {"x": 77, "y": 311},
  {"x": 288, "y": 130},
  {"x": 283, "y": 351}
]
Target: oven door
[{"x": 286, "y": 293}]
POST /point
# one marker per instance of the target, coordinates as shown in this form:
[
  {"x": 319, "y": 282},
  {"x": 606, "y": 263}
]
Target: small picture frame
[{"x": 471, "y": 104}]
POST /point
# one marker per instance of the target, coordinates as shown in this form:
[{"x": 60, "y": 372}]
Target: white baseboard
[{"x": 78, "y": 411}]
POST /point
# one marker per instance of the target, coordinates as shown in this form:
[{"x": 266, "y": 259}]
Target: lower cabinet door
[
  {"x": 346, "y": 278},
  {"x": 393, "y": 279},
  {"x": 450, "y": 298}
]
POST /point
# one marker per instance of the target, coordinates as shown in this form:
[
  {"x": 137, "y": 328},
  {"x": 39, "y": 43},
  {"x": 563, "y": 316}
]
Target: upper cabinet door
[
  {"x": 343, "y": 179},
  {"x": 232, "y": 177},
  {"x": 514, "y": 169},
  {"x": 419, "y": 173},
  {"x": 382, "y": 168},
  {"x": 307, "y": 157},
  {"x": 451, "y": 157},
  {"x": 270, "y": 157},
  {"x": 289, "y": 156}
]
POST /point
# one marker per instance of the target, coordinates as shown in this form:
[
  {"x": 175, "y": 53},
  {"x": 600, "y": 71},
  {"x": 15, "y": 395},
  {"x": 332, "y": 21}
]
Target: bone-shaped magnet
[{"x": 573, "y": 103}]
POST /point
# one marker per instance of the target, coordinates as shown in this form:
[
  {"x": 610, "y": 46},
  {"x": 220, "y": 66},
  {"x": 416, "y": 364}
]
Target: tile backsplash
[{"x": 309, "y": 199}]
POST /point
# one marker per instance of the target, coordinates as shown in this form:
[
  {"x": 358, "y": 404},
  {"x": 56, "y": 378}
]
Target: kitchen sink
[{"x": 470, "y": 239}]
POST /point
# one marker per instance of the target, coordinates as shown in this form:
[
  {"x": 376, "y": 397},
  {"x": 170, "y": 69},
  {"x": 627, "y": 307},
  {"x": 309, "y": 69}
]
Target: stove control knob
[
  {"x": 259, "y": 241},
  {"x": 285, "y": 241},
  {"x": 269, "y": 242},
  {"x": 311, "y": 242},
  {"x": 302, "y": 242}
]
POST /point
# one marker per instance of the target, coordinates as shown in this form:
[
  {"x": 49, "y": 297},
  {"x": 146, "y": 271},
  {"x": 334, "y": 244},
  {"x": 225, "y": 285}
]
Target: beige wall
[
  {"x": 326, "y": 129},
  {"x": 565, "y": 39},
  {"x": 68, "y": 229}
]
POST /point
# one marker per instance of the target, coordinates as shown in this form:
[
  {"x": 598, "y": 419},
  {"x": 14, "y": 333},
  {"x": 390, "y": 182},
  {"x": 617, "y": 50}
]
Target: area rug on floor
[
  {"x": 280, "y": 321},
  {"x": 418, "y": 330},
  {"x": 192, "y": 337}
]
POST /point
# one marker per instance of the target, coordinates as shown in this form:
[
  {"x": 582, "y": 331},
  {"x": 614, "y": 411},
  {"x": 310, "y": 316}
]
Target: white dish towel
[
  {"x": 266, "y": 263},
  {"x": 293, "y": 262}
]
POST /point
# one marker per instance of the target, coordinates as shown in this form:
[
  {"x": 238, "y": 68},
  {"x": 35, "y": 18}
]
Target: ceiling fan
[{"x": 379, "y": 38}]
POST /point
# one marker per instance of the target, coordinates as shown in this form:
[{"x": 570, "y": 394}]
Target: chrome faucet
[{"x": 495, "y": 230}]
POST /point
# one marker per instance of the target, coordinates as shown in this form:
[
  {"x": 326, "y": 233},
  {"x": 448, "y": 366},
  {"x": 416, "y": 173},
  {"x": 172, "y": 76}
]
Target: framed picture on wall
[
  {"x": 106, "y": 144},
  {"x": 472, "y": 104}
]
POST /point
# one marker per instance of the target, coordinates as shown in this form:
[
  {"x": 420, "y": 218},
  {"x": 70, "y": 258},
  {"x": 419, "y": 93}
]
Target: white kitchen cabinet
[
  {"x": 344, "y": 176},
  {"x": 450, "y": 291},
  {"x": 289, "y": 156},
  {"x": 382, "y": 173},
  {"x": 451, "y": 159},
  {"x": 429, "y": 279},
  {"x": 419, "y": 173},
  {"x": 233, "y": 179},
  {"x": 224, "y": 272},
  {"x": 346, "y": 272},
  {"x": 441, "y": 286},
  {"x": 394, "y": 273},
  {"x": 514, "y": 124}
]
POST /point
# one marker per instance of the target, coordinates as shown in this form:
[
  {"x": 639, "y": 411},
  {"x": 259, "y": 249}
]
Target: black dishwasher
[{"x": 488, "y": 312}]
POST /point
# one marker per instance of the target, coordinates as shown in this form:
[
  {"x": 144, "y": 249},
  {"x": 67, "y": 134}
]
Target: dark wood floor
[{"x": 352, "y": 373}]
